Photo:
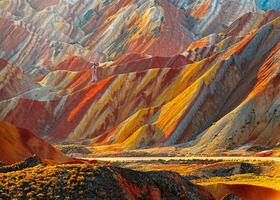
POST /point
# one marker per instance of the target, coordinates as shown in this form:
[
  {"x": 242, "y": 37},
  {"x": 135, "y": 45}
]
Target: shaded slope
[{"x": 16, "y": 144}]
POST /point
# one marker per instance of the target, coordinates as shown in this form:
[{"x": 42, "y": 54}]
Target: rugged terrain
[
  {"x": 220, "y": 94},
  {"x": 174, "y": 78}
]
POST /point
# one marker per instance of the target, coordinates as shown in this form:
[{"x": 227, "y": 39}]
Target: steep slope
[
  {"x": 158, "y": 28},
  {"x": 221, "y": 41},
  {"x": 224, "y": 95},
  {"x": 212, "y": 16},
  {"x": 13, "y": 81},
  {"x": 141, "y": 99},
  {"x": 255, "y": 122},
  {"x": 24, "y": 47},
  {"x": 16, "y": 144},
  {"x": 95, "y": 102},
  {"x": 172, "y": 101}
]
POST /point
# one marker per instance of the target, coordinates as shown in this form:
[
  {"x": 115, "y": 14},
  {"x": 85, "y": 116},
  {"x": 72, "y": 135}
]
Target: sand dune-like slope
[{"x": 16, "y": 144}]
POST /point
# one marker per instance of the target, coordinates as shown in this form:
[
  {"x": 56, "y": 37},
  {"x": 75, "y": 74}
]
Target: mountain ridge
[{"x": 143, "y": 100}]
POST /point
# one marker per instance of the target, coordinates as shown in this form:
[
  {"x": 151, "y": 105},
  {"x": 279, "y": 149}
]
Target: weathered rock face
[
  {"x": 52, "y": 30},
  {"x": 87, "y": 182},
  {"x": 214, "y": 94}
]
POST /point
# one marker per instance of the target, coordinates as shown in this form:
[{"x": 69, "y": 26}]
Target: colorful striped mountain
[{"x": 203, "y": 75}]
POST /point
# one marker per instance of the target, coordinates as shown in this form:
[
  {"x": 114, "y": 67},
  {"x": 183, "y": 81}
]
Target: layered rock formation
[
  {"x": 159, "y": 28},
  {"x": 201, "y": 74}
]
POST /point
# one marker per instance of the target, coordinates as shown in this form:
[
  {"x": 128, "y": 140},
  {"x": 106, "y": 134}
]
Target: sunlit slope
[
  {"x": 96, "y": 102},
  {"x": 16, "y": 144},
  {"x": 255, "y": 122},
  {"x": 221, "y": 88},
  {"x": 142, "y": 100}
]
